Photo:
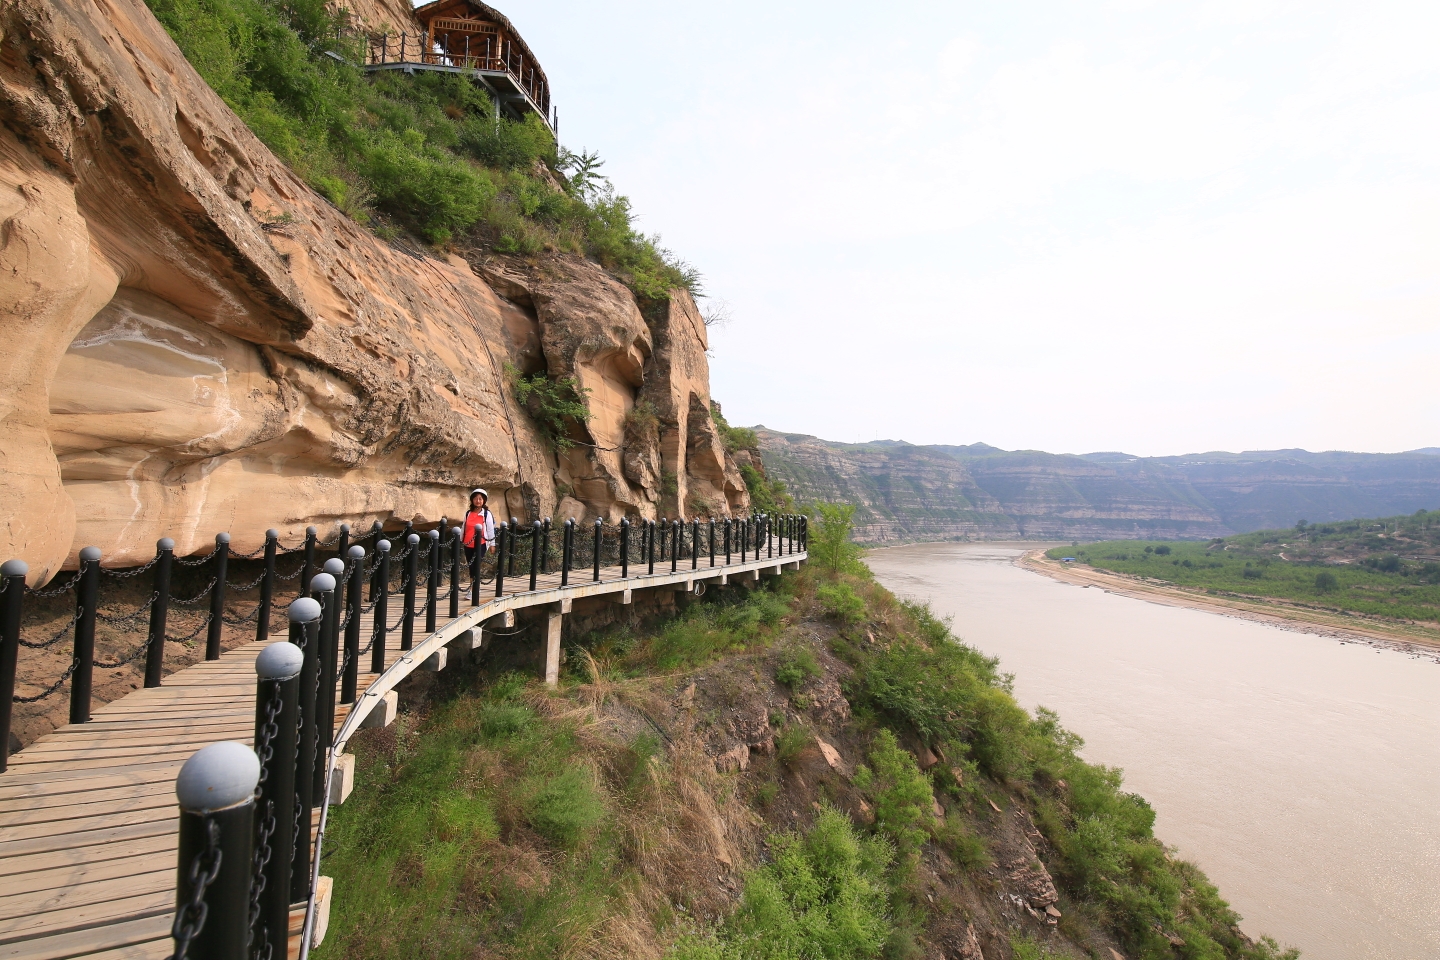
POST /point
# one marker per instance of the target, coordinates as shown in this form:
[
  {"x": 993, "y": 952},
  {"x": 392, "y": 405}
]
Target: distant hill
[{"x": 944, "y": 492}]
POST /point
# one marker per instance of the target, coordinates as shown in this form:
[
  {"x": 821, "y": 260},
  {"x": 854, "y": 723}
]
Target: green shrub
[
  {"x": 830, "y": 544},
  {"x": 552, "y": 404},
  {"x": 823, "y": 896},
  {"x": 838, "y": 600},
  {"x": 426, "y": 149},
  {"x": 901, "y": 793},
  {"x": 791, "y": 742},
  {"x": 1325, "y": 582},
  {"x": 796, "y": 665},
  {"x": 502, "y": 720},
  {"x": 766, "y": 496},
  {"x": 734, "y": 438},
  {"x": 968, "y": 850},
  {"x": 565, "y": 808}
]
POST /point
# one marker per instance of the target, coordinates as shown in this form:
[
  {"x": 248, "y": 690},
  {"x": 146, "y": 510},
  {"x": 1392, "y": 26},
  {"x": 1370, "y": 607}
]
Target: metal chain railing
[
  {"x": 190, "y": 919},
  {"x": 69, "y": 671},
  {"x": 58, "y": 636},
  {"x": 135, "y": 615}
]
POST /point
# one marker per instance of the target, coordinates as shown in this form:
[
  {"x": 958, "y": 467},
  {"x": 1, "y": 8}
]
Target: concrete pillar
[{"x": 552, "y": 647}]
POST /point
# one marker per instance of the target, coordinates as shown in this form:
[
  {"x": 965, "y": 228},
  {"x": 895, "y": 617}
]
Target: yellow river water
[{"x": 1301, "y": 773}]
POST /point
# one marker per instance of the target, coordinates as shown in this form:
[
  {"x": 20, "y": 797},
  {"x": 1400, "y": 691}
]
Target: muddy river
[{"x": 1301, "y": 773}]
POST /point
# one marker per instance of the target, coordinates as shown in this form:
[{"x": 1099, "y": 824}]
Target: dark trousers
[{"x": 473, "y": 556}]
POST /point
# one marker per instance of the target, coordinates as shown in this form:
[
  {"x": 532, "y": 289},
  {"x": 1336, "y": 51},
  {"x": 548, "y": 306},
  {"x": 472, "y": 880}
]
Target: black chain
[
  {"x": 126, "y": 618},
  {"x": 193, "y": 633},
  {"x": 195, "y": 563},
  {"x": 58, "y": 590},
  {"x": 127, "y": 661},
  {"x": 58, "y": 637},
  {"x": 290, "y": 576},
  {"x": 49, "y": 690},
  {"x": 241, "y": 621},
  {"x": 190, "y": 919},
  {"x": 249, "y": 586},
  {"x": 132, "y": 572},
  {"x": 199, "y": 596},
  {"x": 265, "y": 750}
]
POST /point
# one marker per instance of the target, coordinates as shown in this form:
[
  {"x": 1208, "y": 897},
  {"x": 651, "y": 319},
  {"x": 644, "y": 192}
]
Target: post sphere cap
[
  {"x": 222, "y": 538},
  {"x": 304, "y": 610},
  {"x": 413, "y": 539},
  {"x": 383, "y": 546},
  {"x": 457, "y": 532},
  {"x": 311, "y": 531},
  {"x": 272, "y": 534},
  {"x": 434, "y": 534},
  {"x": 218, "y": 776},
  {"x": 322, "y": 583},
  {"x": 356, "y": 552},
  {"x": 334, "y": 566},
  {"x": 344, "y": 528},
  {"x": 14, "y": 568},
  {"x": 279, "y": 661},
  {"x": 165, "y": 543},
  {"x": 89, "y": 554}
]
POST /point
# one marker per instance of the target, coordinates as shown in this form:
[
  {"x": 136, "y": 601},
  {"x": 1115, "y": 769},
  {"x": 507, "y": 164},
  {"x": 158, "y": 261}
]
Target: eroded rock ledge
[{"x": 198, "y": 342}]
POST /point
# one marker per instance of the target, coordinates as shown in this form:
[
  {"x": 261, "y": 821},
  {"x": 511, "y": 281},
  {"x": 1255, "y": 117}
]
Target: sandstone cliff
[
  {"x": 909, "y": 492},
  {"x": 198, "y": 342}
]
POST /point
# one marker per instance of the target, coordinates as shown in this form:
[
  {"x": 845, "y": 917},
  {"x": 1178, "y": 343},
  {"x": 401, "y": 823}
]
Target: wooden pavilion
[{"x": 465, "y": 36}]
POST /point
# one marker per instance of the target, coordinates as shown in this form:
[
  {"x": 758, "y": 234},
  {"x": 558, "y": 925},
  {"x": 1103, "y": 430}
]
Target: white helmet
[{"x": 479, "y": 491}]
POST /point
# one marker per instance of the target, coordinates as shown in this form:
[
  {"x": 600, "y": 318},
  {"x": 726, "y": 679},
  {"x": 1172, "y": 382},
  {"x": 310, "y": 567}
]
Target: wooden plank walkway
[{"x": 88, "y": 815}]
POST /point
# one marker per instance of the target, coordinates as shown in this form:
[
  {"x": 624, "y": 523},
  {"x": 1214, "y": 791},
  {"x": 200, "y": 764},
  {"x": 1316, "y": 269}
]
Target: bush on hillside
[
  {"x": 830, "y": 545},
  {"x": 823, "y": 895},
  {"x": 426, "y": 149}
]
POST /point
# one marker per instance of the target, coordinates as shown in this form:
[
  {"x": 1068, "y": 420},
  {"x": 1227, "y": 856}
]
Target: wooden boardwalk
[{"x": 88, "y": 813}]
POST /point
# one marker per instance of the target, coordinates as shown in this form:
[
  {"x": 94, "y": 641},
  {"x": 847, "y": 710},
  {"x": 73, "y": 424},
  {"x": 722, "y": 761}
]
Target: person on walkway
[{"x": 479, "y": 530}]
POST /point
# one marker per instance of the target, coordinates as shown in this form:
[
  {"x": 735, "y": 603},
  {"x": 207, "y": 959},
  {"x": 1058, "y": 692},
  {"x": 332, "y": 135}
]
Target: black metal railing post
[
  {"x": 87, "y": 597},
  {"x": 650, "y": 546},
  {"x": 342, "y": 548},
  {"x": 267, "y": 586},
  {"x": 769, "y": 537},
  {"x": 545, "y": 546},
  {"x": 567, "y": 543},
  {"x": 457, "y": 559},
  {"x": 712, "y": 542},
  {"x": 727, "y": 541},
  {"x": 277, "y": 704},
  {"x": 11, "y": 610},
  {"x": 677, "y": 530},
  {"x": 160, "y": 612},
  {"x": 216, "y": 790},
  {"x": 624, "y": 548},
  {"x": 412, "y": 573},
  {"x": 432, "y": 582},
  {"x": 535, "y": 531},
  {"x": 329, "y": 665},
  {"x": 744, "y": 538},
  {"x": 215, "y": 631},
  {"x": 381, "y": 607},
  {"x": 376, "y": 529},
  {"x": 664, "y": 530},
  {"x": 502, "y": 546},
  {"x": 305, "y": 619},
  {"x": 694, "y": 544},
  {"x": 307, "y": 572},
  {"x": 354, "y": 601},
  {"x": 599, "y": 549}
]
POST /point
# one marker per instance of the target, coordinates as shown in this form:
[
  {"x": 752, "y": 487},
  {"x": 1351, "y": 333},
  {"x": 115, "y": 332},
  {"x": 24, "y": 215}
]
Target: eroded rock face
[{"x": 197, "y": 342}]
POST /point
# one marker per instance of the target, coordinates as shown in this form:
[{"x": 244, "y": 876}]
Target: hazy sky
[{"x": 1151, "y": 227}]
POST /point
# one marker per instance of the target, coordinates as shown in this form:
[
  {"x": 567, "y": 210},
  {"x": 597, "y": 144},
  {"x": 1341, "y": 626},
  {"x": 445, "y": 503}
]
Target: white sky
[{"x": 1151, "y": 227}]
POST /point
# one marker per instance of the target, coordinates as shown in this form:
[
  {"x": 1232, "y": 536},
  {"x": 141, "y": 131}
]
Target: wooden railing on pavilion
[{"x": 474, "y": 50}]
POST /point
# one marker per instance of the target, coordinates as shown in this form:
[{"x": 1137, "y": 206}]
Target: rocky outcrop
[
  {"x": 198, "y": 342},
  {"x": 910, "y": 492}
]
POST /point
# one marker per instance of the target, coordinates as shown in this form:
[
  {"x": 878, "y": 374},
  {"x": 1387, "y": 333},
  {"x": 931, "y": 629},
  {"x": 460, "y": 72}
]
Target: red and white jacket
[{"x": 482, "y": 523}]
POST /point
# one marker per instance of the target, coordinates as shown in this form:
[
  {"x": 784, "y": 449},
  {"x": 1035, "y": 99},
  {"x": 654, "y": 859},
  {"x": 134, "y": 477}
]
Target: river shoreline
[{"x": 1402, "y": 638}]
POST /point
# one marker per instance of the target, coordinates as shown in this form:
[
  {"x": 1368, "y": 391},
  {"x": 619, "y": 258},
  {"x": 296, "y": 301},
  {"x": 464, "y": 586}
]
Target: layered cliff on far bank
[
  {"x": 979, "y": 492},
  {"x": 198, "y": 341}
]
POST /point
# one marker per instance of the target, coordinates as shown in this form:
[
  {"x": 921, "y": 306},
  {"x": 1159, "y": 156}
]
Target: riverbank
[{"x": 1403, "y": 637}]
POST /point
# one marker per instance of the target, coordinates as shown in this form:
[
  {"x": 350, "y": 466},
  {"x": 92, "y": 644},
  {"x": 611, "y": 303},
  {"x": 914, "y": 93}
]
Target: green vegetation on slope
[
  {"x": 426, "y": 152},
  {"x": 519, "y": 822},
  {"x": 1384, "y": 568}
]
